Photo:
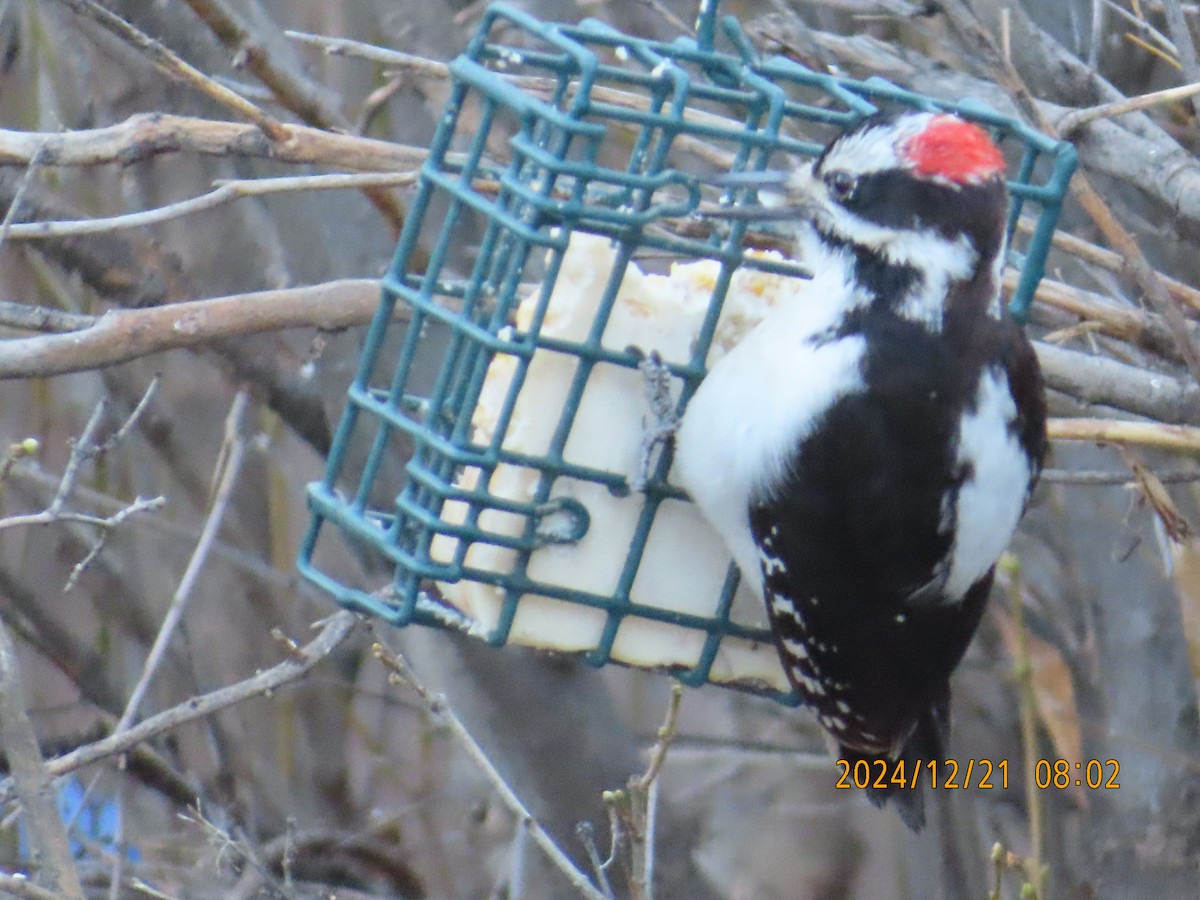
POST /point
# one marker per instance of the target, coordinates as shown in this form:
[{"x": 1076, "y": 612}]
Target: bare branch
[
  {"x": 1185, "y": 47},
  {"x": 1072, "y": 122},
  {"x": 45, "y": 517},
  {"x": 147, "y": 135},
  {"x": 232, "y": 453},
  {"x": 1095, "y": 379},
  {"x": 30, "y": 780},
  {"x": 225, "y": 192},
  {"x": 124, "y": 334},
  {"x": 402, "y": 673},
  {"x": 334, "y": 631},
  {"x": 83, "y": 448},
  {"x": 1112, "y": 262},
  {"x": 172, "y": 65},
  {"x": 1180, "y": 438},
  {"x": 1124, "y": 478},
  {"x": 396, "y": 59}
]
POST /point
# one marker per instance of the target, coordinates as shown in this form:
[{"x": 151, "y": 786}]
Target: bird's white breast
[{"x": 745, "y": 421}]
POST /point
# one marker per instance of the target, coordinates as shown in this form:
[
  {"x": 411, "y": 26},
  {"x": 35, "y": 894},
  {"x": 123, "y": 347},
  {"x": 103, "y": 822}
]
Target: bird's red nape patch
[{"x": 952, "y": 150}]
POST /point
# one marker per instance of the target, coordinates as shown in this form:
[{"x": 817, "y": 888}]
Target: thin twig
[
  {"x": 84, "y": 448},
  {"x": 107, "y": 526},
  {"x": 334, "y": 631},
  {"x": 666, "y": 734},
  {"x": 398, "y": 59},
  {"x": 233, "y": 451},
  {"x": 667, "y": 16},
  {"x": 30, "y": 780},
  {"x": 1072, "y": 122},
  {"x": 133, "y": 418},
  {"x": 402, "y": 673},
  {"x": 19, "y": 194},
  {"x": 46, "y": 517},
  {"x": 586, "y": 832},
  {"x": 643, "y": 799},
  {"x": 225, "y": 192},
  {"x": 1181, "y": 34},
  {"x": 172, "y": 65},
  {"x": 1142, "y": 25}
]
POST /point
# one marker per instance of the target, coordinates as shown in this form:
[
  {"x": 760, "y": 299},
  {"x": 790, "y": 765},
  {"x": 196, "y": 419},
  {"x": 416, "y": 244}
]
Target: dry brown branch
[
  {"x": 147, "y": 135},
  {"x": 1112, "y": 262},
  {"x": 1127, "y": 323},
  {"x": 175, "y": 67},
  {"x": 1179, "y": 438},
  {"x": 334, "y": 631},
  {"x": 125, "y": 334},
  {"x": 30, "y": 780},
  {"x": 224, "y": 192},
  {"x": 1072, "y": 122},
  {"x": 398, "y": 60}
]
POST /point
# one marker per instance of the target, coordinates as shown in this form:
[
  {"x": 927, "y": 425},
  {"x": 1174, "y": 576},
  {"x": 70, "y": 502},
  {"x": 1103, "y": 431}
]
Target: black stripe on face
[
  {"x": 897, "y": 199},
  {"x": 888, "y": 282}
]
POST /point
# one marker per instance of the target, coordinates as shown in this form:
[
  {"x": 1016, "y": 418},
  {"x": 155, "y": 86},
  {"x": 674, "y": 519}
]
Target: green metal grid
[{"x": 516, "y": 166}]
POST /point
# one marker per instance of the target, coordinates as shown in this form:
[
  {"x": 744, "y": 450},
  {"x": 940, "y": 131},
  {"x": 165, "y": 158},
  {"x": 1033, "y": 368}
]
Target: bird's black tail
[{"x": 927, "y": 742}]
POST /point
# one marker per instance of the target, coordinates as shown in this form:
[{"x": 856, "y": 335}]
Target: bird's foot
[{"x": 660, "y": 430}]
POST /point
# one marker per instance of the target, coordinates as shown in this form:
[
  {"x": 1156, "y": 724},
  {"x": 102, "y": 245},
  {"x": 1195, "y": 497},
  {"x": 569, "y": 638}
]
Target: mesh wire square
[{"x": 482, "y": 462}]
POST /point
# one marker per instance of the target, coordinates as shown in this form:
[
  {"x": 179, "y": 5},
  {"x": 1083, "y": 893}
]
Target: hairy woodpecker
[{"x": 866, "y": 453}]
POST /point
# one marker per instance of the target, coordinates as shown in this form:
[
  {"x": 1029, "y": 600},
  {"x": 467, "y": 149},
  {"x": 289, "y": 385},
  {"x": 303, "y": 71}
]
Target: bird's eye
[{"x": 841, "y": 185}]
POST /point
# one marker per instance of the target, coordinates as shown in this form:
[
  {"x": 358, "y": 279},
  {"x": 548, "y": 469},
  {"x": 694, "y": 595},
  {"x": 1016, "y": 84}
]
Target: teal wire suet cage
[{"x": 569, "y": 159}]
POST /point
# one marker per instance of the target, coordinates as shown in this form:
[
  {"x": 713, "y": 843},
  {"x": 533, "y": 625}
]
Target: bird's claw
[{"x": 656, "y": 384}]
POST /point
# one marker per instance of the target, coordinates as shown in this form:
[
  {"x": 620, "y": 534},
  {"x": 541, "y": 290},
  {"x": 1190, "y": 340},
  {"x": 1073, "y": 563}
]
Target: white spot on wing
[
  {"x": 795, "y": 648},
  {"x": 990, "y": 503}
]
